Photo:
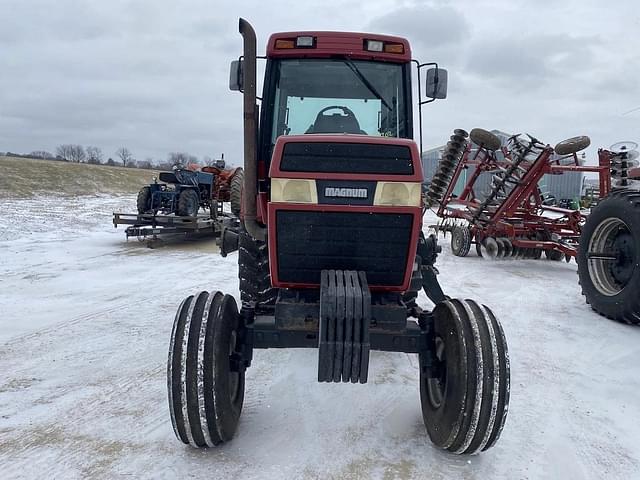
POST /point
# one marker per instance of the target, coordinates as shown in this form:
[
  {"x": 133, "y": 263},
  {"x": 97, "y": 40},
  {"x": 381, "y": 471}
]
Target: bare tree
[
  {"x": 71, "y": 153},
  {"x": 176, "y": 158},
  {"x": 148, "y": 163},
  {"x": 77, "y": 153},
  {"x": 64, "y": 151},
  {"x": 94, "y": 155},
  {"x": 125, "y": 155},
  {"x": 165, "y": 166},
  {"x": 111, "y": 162},
  {"x": 41, "y": 154}
]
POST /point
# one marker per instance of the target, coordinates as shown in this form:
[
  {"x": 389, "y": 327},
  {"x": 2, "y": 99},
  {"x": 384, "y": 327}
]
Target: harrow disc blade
[
  {"x": 490, "y": 248},
  {"x": 508, "y": 247},
  {"x": 501, "y": 249}
]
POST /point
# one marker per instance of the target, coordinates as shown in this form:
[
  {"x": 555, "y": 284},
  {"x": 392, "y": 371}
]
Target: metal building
[{"x": 569, "y": 185}]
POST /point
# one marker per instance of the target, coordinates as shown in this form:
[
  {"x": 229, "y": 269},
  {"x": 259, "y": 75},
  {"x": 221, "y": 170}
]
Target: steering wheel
[
  {"x": 347, "y": 122},
  {"x": 345, "y": 110}
]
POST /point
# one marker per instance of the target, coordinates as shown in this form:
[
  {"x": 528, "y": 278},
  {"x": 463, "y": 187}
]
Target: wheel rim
[
  {"x": 611, "y": 256},
  {"x": 457, "y": 241},
  {"x": 436, "y": 386}
]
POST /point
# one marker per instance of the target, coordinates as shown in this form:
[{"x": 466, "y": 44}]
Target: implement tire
[
  {"x": 464, "y": 406},
  {"x": 612, "y": 229},
  {"x": 460, "y": 241},
  {"x": 235, "y": 192},
  {"x": 205, "y": 393},
  {"x": 253, "y": 271}
]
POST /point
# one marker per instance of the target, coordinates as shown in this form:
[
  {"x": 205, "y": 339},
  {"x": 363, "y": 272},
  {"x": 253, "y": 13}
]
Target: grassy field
[{"x": 24, "y": 177}]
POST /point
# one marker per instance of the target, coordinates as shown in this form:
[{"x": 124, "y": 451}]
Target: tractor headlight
[
  {"x": 398, "y": 194},
  {"x": 293, "y": 190}
]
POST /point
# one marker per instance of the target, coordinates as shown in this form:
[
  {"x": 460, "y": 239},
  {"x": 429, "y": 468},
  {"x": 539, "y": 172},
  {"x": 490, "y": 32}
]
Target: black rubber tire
[
  {"x": 188, "y": 203},
  {"x": 143, "y": 202},
  {"x": 555, "y": 255},
  {"x": 253, "y": 271},
  {"x": 478, "y": 241},
  {"x": 235, "y": 192},
  {"x": 205, "y": 396},
  {"x": 488, "y": 140},
  {"x": 460, "y": 241},
  {"x": 572, "y": 145},
  {"x": 465, "y": 409},
  {"x": 623, "y": 305}
]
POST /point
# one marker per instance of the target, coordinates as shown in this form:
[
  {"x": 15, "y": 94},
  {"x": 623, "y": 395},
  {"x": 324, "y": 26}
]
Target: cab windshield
[{"x": 339, "y": 96}]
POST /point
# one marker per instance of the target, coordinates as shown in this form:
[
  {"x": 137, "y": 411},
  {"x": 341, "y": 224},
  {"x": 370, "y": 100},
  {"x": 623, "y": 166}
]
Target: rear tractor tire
[
  {"x": 188, "y": 203},
  {"x": 205, "y": 390},
  {"x": 466, "y": 399},
  {"x": 253, "y": 271},
  {"x": 143, "y": 202},
  {"x": 609, "y": 257},
  {"x": 460, "y": 241},
  {"x": 235, "y": 192}
]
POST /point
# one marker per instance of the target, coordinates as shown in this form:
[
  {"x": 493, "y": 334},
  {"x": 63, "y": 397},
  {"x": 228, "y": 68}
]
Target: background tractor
[
  {"x": 184, "y": 191},
  {"x": 331, "y": 253}
]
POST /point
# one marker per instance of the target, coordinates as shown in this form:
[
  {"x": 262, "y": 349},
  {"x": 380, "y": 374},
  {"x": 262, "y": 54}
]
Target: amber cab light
[
  {"x": 394, "y": 48},
  {"x": 282, "y": 44}
]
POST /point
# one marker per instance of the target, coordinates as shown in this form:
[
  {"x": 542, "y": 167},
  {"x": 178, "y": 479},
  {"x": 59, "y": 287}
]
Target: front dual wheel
[
  {"x": 465, "y": 398},
  {"x": 205, "y": 385}
]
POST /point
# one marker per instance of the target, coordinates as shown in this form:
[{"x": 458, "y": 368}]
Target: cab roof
[{"x": 348, "y": 44}]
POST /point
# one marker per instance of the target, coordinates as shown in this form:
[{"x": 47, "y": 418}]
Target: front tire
[
  {"x": 205, "y": 394},
  {"x": 188, "y": 203},
  {"x": 609, "y": 257},
  {"x": 465, "y": 405}
]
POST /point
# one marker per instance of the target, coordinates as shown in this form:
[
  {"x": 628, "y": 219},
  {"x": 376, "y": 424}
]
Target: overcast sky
[{"x": 152, "y": 75}]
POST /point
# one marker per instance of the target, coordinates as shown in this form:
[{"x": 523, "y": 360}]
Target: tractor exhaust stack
[{"x": 249, "y": 195}]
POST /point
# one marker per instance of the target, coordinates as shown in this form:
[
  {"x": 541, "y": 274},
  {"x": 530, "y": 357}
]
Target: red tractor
[{"x": 331, "y": 253}]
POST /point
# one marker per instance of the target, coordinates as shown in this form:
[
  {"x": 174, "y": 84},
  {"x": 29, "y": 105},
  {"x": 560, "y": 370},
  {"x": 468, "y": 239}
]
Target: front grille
[
  {"x": 320, "y": 157},
  {"x": 309, "y": 242}
]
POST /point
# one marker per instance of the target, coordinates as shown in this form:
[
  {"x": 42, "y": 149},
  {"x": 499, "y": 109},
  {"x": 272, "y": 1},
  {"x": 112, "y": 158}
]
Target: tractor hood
[{"x": 343, "y": 156}]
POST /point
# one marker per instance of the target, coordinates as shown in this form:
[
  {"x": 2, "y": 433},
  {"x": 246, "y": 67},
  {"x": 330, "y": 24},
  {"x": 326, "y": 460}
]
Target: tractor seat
[
  {"x": 335, "y": 123},
  {"x": 168, "y": 177}
]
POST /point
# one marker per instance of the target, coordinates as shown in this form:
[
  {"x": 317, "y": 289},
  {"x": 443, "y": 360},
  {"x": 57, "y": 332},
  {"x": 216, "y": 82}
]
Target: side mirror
[
  {"x": 437, "y": 83},
  {"x": 236, "y": 75}
]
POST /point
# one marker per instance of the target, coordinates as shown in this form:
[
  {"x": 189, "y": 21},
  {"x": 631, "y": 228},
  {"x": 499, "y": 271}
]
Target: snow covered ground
[{"x": 85, "y": 320}]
